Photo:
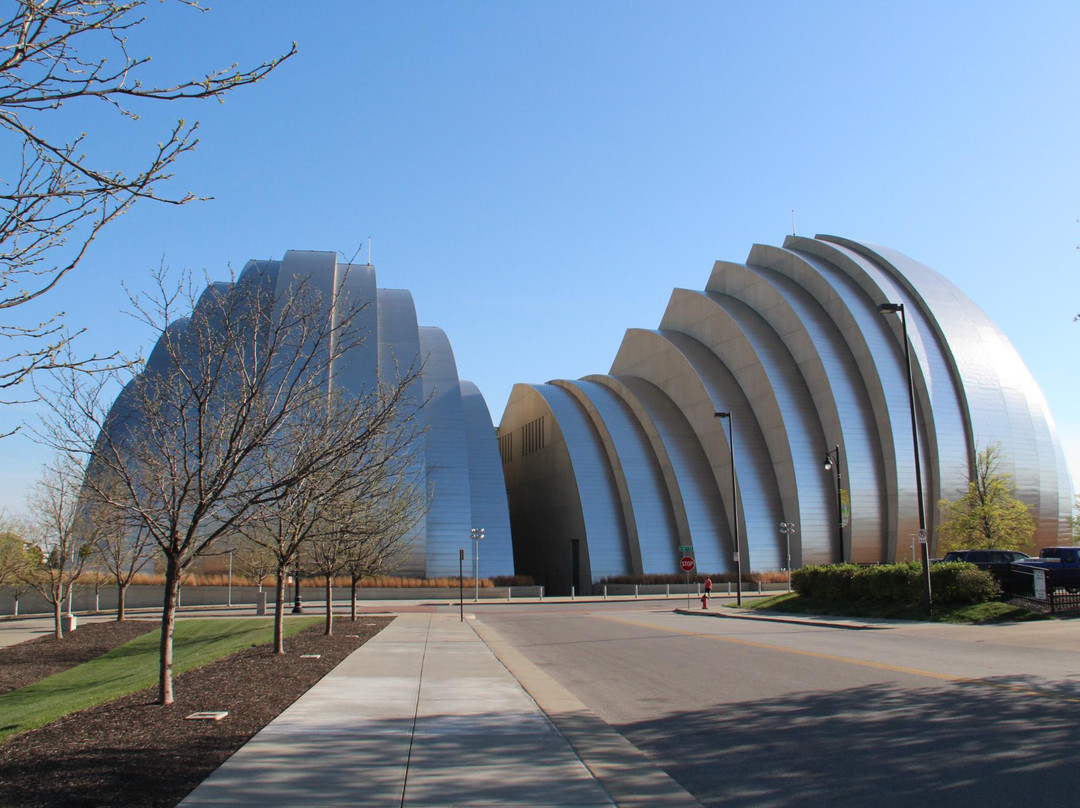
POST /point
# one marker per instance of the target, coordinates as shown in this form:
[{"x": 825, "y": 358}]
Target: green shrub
[
  {"x": 894, "y": 583},
  {"x": 959, "y": 582}
]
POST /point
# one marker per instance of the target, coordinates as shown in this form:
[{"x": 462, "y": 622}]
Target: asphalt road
[{"x": 770, "y": 714}]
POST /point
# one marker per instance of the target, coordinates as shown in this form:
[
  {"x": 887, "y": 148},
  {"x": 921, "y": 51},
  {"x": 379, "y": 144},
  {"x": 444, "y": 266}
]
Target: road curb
[{"x": 800, "y": 621}]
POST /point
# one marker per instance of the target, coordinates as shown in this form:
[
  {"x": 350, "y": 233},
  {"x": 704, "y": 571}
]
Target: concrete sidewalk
[{"x": 425, "y": 714}]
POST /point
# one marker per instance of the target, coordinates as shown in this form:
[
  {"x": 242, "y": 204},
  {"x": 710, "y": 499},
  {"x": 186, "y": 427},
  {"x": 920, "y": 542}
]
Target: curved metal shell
[{"x": 793, "y": 344}]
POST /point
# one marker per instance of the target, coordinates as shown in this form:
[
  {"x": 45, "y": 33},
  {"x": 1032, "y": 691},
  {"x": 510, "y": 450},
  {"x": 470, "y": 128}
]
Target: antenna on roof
[
  {"x": 793, "y": 221},
  {"x": 369, "y": 250}
]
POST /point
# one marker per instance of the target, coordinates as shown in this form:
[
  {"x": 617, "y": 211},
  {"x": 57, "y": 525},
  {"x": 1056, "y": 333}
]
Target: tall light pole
[
  {"x": 734, "y": 508},
  {"x": 788, "y": 528},
  {"x": 829, "y": 454},
  {"x": 476, "y": 534},
  {"x": 928, "y": 597}
]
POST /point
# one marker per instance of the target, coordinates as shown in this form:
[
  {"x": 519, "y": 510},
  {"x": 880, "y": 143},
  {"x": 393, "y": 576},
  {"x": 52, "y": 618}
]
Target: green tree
[{"x": 989, "y": 514}]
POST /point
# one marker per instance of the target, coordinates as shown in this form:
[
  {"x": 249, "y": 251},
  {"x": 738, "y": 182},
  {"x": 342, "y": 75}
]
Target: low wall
[{"x": 151, "y": 597}]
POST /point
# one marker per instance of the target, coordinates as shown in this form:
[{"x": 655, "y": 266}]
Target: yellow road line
[{"x": 845, "y": 660}]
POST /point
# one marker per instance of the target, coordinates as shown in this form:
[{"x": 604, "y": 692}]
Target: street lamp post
[
  {"x": 928, "y": 597},
  {"x": 734, "y": 508},
  {"x": 829, "y": 454},
  {"x": 298, "y": 606},
  {"x": 788, "y": 528},
  {"x": 476, "y": 534}
]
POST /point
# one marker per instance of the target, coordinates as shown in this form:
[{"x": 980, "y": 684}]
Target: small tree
[
  {"x": 123, "y": 549},
  {"x": 380, "y": 526},
  {"x": 254, "y": 561},
  {"x": 989, "y": 515},
  {"x": 62, "y": 536},
  {"x": 17, "y": 560}
]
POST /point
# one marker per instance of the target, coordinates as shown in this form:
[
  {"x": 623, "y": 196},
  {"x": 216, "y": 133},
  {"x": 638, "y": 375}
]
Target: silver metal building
[
  {"x": 611, "y": 474},
  {"x": 458, "y": 454}
]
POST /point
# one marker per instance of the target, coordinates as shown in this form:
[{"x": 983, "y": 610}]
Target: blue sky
[{"x": 541, "y": 175}]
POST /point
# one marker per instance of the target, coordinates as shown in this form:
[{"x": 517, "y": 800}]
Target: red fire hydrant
[{"x": 705, "y": 601}]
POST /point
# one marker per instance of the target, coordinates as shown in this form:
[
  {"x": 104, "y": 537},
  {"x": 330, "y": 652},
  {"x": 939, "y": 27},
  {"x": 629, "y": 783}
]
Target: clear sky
[{"x": 540, "y": 175}]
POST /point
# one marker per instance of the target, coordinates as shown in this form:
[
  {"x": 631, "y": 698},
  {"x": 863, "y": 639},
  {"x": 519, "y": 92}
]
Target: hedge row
[{"x": 896, "y": 583}]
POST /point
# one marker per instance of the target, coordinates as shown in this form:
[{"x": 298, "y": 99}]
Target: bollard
[
  {"x": 509, "y": 592},
  {"x": 759, "y": 587},
  {"x": 571, "y": 593},
  {"x": 541, "y": 593},
  {"x": 635, "y": 590},
  {"x": 669, "y": 590},
  {"x": 729, "y": 587},
  {"x": 605, "y": 591}
]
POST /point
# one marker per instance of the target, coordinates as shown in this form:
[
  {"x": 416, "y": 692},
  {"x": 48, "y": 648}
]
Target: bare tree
[
  {"x": 17, "y": 559},
  {"x": 59, "y": 532},
  {"x": 54, "y": 200},
  {"x": 224, "y": 385},
  {"x": 375, "y": 436},
  {"x": 254, "y": 561},
  {"x": 379, "y": 527},
  {"x": 123, "y": 548}
]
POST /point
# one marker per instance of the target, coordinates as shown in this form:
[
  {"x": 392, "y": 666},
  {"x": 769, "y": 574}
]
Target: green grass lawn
[
  {"x": 131, "y": 667},
  {"x": 991, "y": 612}
]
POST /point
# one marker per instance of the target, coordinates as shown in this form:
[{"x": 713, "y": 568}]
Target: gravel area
[{"x": 134, "y": 752}]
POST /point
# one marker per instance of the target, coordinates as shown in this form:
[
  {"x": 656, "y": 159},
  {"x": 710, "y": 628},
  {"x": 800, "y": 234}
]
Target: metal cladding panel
[
  {"x": 399, "y": 349},
  {"x": 643, "y": 492},
  {"x": 449, "y": 516},
  {"x": 605, "y": 530},
  {"x": 487, "y": 488},
  {"x": 793, "y": 345},
  {"x": 883, "y": 374},
  {"x": 1004, "y": 402},
  {"x": 701, "y": 502},
  {"x": 357, "y": 370},
  {"x": 794, "y": 433},
  {"x": 945, "y": 442},
  {"x": 833, "y": 378}
]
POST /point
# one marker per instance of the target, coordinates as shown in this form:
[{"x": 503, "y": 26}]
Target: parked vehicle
[
  {"x": 1062, "y": 565},
  {"x": 996, "y": 562}
]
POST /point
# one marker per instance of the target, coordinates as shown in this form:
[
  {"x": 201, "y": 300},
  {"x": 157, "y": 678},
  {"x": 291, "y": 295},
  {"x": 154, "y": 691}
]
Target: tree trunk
[
  {"x": 121, "y": 595},
  {"x": 353, "y": 610},
  {"x": 58, "y": 627},
  {"x": 329, "y": 605},
  {"x": 279, "y": 611},
  {"x": 168, "y": 623}
]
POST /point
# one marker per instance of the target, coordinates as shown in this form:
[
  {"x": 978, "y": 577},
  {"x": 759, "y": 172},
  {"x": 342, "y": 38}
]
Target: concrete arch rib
[
  {"x": 769, "y": 376},
  {"x": 696, "y": 503},
  {"x": 487, "y": 491},
  {"x": 699, "y": 383},
  {"x": 872, "y": 345},
  {"x": 449, "y": 514},
  {"x": 833, "y": 379},
  {"x": 652, "y": 537},
  {"x": 996, "y": 391}
]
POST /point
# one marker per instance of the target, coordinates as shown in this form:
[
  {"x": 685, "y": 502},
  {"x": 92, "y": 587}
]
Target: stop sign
[{"x": 687, "y": 564}]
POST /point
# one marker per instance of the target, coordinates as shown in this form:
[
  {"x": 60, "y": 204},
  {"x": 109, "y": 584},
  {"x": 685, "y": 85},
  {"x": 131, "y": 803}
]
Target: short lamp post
[
  {"x": 734, "y": 508},
  {"x": 788, "y": 528},
  {"x": 831, "y": 463},
  {"x": 476, "y": 534},
  {"x": 928, "y": 597},
  {"x": 298, "y": 606}
]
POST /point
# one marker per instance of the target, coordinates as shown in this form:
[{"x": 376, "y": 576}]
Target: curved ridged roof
[{"x": 793, "y": 345}]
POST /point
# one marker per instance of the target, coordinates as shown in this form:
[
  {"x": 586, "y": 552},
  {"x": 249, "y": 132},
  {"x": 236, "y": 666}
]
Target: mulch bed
[
  {"x": 27, "y": 662},
  {"x": 134, "y": 752}
]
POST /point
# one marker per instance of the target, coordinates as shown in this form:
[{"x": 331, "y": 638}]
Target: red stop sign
[{"x": 687, "y": 564}]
